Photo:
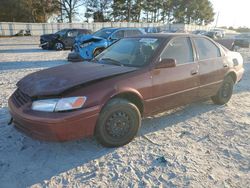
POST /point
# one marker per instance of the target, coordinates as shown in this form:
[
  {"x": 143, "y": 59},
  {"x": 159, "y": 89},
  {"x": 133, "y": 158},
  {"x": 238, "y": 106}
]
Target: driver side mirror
[{"x": 166, "y": 63}]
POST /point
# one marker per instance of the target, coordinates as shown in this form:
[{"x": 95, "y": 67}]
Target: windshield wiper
[{"x": 112, "y": 61}]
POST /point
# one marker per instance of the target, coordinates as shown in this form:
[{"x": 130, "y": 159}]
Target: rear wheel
[
  {"x": 118, "y": 123},
  {"x": 225, "y": 92}
]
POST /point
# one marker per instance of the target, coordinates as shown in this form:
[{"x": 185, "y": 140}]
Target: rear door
[
  {"x": 178, "y": 85},
  {"x": 211, "y": 67}
]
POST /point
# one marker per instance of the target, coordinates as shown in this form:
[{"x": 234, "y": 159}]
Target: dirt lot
[{"x": 199, "y": 145}]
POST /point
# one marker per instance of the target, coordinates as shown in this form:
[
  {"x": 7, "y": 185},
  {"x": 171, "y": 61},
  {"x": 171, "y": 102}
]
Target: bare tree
[{"x": 69, "y": 8}]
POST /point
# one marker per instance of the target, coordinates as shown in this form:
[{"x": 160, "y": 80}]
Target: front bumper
[
  {"x": 44, "y": 44},
  {"x": 54, "y": 126}
]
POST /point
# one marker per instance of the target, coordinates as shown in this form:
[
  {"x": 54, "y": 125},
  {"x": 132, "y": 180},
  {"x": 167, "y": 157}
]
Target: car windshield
[
  {"x": 134, "y": 52},
  {"x": 104, "y": 33},
  {"x": 61, "y": 32}
]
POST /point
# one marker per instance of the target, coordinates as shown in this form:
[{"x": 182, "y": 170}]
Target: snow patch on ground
[{"x": 199, "y": 145}]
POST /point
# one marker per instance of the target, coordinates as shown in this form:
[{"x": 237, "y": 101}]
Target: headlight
[
  {"x": 85, "y": 44},
  {"x": 58, "y": 105}
]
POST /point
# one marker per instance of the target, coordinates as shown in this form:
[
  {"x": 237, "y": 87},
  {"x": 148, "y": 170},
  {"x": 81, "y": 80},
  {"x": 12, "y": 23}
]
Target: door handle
[{"x": 194, "y": 72}]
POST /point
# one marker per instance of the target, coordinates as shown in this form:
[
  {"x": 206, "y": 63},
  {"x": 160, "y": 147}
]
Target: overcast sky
[{"x": 232, "y": 12}]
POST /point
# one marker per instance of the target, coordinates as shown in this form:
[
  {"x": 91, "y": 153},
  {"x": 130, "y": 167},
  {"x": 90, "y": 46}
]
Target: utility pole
[{"x": 217, "y": 20}]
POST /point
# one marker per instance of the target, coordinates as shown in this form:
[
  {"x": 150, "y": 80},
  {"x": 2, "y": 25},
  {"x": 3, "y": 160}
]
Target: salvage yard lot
[{"x": 199, "y": 145}]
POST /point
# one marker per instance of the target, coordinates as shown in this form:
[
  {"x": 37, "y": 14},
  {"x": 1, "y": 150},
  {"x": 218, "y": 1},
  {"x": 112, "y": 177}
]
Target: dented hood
[
  {"x": 84, "y": 38},
  {"x": 54, "y": 81}
]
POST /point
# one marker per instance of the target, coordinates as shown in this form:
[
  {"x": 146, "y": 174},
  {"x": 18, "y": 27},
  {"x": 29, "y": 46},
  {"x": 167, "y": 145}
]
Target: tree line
[{"x": 165, "y": 11}]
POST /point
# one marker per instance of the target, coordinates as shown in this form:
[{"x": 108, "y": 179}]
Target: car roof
[
  {"x": 121, "y": 28},
  {"x": 165, "y": 35},
  {"x": 73, "y": 29}
]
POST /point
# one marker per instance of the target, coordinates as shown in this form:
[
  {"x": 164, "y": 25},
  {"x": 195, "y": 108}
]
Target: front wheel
[
  {"x": 58, "y": 46},
  {"x": 118, "y": 123},
  {"x": 225, "y": 92}
]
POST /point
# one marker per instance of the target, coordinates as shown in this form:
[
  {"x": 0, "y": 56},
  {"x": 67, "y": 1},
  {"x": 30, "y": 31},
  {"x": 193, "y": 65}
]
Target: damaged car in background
[
  {"x": 133, "y": 78},
  {"x": 243, "y": 40},
  {"x": 61, "y": 40},
  {"x": 87, "y": 47},
  {"x": 218, "y": 36}
]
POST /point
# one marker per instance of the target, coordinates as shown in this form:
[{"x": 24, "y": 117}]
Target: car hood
[
  {"x": 85, "y": 38},
  {"x": 54, "y": 81}
]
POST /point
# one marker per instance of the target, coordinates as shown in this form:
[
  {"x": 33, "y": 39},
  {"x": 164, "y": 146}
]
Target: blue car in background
[{"x": 86, "y": 47}]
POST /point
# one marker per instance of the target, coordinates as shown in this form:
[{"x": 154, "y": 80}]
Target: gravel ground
[{"x": 199, "y": 145}]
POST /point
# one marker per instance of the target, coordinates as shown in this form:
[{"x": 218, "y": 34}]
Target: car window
[
  {"x": 62, "y": 32},
  {"x": 179, "y": 49},
  {"x": 135, "y": 52},
  {"x": 103, "y": 33},
  {"x": 72, "y": 33},
  {"x": 206, "y": 49},
  {"x": 84, "y": 32},
  {"x": 118, "y": 34},
  {"x": 130, "y": 33}
]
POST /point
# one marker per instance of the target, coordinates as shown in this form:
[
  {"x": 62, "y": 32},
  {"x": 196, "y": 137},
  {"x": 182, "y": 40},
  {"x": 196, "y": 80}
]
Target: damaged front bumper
[{"x": 44, "y": 44}]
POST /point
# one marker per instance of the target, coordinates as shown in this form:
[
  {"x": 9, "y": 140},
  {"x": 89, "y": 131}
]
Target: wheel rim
[
  {"x": 118, "y": 124},
  {"x": 226, "y": 90},
  {"x": 59, "y": 45}
]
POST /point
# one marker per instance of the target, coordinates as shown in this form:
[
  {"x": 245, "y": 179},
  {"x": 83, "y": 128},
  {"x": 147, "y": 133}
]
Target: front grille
[{"x": 20, "y": 98}]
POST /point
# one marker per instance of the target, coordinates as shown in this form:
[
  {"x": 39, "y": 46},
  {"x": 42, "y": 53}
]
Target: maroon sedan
[{"x": 134, "y": 78}]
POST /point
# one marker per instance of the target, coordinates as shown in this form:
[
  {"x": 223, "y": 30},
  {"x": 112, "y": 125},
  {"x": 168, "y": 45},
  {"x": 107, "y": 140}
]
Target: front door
[
  {"x": 70, "y": 38},
  {"x": 178, "y": 85}
]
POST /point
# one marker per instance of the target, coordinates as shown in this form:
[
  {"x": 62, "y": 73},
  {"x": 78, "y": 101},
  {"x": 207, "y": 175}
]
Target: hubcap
[{"x": 118, "y": 124}]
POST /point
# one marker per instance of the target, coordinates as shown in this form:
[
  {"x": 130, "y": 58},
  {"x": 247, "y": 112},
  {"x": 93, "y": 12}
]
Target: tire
[
  {"x": 117, "y": 116},
  {"x": 225, "y": 92},
  {"x": 58, "y": 46},
  {"x": 97, "y": 51}
]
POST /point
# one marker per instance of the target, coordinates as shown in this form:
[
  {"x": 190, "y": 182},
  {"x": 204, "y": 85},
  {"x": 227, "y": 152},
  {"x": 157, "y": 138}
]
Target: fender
[
  {"x": 120, "y": 91},
  {"x": 128, "y": 90}
]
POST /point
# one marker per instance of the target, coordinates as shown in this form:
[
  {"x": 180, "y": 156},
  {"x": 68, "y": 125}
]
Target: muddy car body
[
  {"x": 63, "y": 39},
  {"x": 133, "y": 78}
]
